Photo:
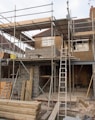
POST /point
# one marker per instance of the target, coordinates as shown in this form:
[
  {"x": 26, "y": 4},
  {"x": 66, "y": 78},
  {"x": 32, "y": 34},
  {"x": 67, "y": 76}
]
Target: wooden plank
[
  {"x": 16, "y": 116},
  {"x": 82, "y": 101},
  {"x": 54, "y": 112},
  {"x": 88, "y": 90},
  {"x": 28, "y": 94},
  {"x": 32, "y": 104},
  {"x": 45, "y": 116},
  {"x": 12, "y": 109},
  {"x": 23, "y": 23},
  {"x": 84, "y": 33},
  {"x": 23, "y": 90}
]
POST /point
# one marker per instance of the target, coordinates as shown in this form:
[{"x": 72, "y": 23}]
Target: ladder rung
[
  {"x": 62, "y": 68},
  {"x": 62, "y": 93},
  {"x": 62, "y": 103},
  {"x": 63, "y": 87},
  {"x": 61, "y": 84},
  {"x": 63, "y": 72},
  {"x": 62, "y": 81},
  {"x": 62, "y": 78},
  {"x": 63, "y": 64},
  {"x": 63, "y": 56},
  {"x": 62, "y": 98}
]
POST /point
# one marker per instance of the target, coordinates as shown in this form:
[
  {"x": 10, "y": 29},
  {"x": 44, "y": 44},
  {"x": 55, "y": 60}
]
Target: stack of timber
[
  {"x": 19, "y": 110},
  {"x": 6, "y": 91}
]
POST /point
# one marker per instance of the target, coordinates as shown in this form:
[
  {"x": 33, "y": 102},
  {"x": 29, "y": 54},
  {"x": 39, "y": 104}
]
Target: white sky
[{"x": 78, "y": 8}]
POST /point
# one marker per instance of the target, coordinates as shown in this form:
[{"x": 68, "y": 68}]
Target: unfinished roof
[
  {"x": 83, "y": 27},
  {"x": 33, "y": 24},
  {"x": 8, "y": 45},
  {"x": 45, "y": 33},
  {"x": 36, "y": 24}
]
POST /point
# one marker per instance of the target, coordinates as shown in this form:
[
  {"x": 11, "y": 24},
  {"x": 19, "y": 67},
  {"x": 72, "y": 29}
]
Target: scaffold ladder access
[{"x": 62, "y": 91}]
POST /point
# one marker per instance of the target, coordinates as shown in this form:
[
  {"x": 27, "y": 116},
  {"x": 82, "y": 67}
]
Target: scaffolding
[
  {"x": 83, "y": 31},
  {"x": 19, "y": 38},
  {"x": 23, "y": 38}
]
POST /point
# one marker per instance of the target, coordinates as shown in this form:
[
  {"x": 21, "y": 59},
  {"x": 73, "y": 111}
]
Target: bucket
[{"x": 12, "y": 56}]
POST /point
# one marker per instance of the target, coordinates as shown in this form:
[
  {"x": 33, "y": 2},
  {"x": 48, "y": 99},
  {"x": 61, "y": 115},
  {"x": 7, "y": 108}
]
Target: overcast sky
[{"x": 78, "y": 8}]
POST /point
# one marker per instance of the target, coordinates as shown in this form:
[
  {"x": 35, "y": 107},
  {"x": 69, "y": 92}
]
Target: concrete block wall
[
  {"x": 36, "y": 81},
  {"x": 17, "y": 90},
  {"x": 42, "y": 53},
  {"x": 23, "y": 75}
]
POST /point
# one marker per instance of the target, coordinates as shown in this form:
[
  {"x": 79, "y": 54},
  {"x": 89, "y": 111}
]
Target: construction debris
[{"x": 86, "y": 109}]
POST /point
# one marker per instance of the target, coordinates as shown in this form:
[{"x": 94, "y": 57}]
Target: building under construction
[{"x": 53, "y": 76}]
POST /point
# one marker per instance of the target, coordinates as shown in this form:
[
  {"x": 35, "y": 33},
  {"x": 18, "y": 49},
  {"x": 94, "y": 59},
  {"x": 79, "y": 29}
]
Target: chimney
[{"x": 92, "y": 12}]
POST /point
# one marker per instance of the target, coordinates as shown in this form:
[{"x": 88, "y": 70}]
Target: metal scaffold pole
[
  {"x": 17, "y": 36},
  {"x": 13, "y": 74},
  {"x": 93, "y": 49},
  {"x": 69, "y": 47},
  {"x": 52, "y": 64}
]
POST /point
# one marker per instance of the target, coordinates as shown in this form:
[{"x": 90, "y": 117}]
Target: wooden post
[
  {"x": 23, "y": 90},
  {"x": 28, "y": 94},
  {"x": 93, "y": 80}
]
